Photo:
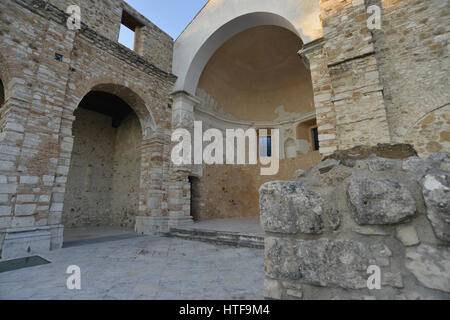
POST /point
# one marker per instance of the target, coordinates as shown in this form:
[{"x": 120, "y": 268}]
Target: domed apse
[
  {"x": 258, "y": 78},
  {"x": 258, "y": 75}
]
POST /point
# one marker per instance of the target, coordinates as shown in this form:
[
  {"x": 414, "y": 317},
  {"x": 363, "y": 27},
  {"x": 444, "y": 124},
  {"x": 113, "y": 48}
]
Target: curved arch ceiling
[
  {"x": 220, "y": 20},
  {"x": 256, "y": 73}
]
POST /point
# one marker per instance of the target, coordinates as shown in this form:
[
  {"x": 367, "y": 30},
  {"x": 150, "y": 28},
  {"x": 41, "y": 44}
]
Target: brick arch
[
  {"x": 188, "y": 82},
  {"x": 132, "y": 95}
]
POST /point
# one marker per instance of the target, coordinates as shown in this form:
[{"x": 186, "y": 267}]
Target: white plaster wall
[{"x": 300, "y": 16}]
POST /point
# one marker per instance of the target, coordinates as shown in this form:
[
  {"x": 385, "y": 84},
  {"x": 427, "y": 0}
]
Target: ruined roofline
[
  {"x": 141, "y": 18},
  {"x": 47, "y": 10}
]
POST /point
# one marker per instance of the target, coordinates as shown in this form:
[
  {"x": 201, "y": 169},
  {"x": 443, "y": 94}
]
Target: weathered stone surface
[
  {"x": 392, "y": 279},
  {"x": 417, "y": 166},
  {"x": 370, "y": 231},
  {"x": 290, "y": 207},
  {"x": 327, "y": 165},
  {"x": 299, "y": 174},
  {"x": 436, "y": 192},
  {"x": 323, "y": 262},
  {"x": 407, "y": 235},
  {"x": 297, "y": 294},
  {"x": 440, "y": 157},
  {"x": 380, "y": 201},
  {"x": 396, "y": 151},
  {"x": 430, "y": 265},
  {"x": 382, "y": 164},
  {"x": 272, "y": 289}
]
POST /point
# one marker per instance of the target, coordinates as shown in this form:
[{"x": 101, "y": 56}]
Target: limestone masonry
[
  {"x": 326, "y": 227},
  {"x": 86, "y": 124}
]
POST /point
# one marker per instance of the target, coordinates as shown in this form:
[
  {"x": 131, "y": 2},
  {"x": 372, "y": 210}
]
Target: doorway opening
[
  {"x": 195, "y": 197},
  {"x": 104, "y": 177}
]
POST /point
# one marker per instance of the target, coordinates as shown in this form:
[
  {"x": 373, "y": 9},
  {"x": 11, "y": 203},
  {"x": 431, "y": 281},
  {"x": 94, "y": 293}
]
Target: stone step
[
  {"x": 220, "y": 234},
  {"x": 219, "y": 237}
]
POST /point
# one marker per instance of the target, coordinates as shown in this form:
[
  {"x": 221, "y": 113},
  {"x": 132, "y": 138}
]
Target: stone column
[
  {"x": 152, "y": 216},
  {"x": 179, "y": 196},
  {"x": 34, "y": 152},
  {"x": 316, "y": 58},
  {"x": 346, "y": 78}
]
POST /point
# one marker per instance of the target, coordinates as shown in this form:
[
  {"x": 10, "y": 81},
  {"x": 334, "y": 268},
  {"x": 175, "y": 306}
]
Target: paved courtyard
[{"x": 127, "y": 266}]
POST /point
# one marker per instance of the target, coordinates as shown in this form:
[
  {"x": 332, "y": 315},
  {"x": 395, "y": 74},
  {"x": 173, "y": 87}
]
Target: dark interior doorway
[
  {"x": 2, "y": 94},
  {"x": 195, "y": 197}
]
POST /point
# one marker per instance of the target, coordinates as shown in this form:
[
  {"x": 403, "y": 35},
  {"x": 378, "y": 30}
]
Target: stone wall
[
  {"x": 47, "y": 70},
  {"x": 103, "y": 16},
  {"x": 388, "y": 84},
  {"x": 346, "y": 81},
  {"x": 414, "y": 62},
  {"x": 231, "y": 191},
  {"x": 88, "y": 193},
  {"x": 103, "y": 181},
  {"x": 126, "y": 173},
  {"x": 331, "y": 223},
  {"x": 155, "y": 46}
]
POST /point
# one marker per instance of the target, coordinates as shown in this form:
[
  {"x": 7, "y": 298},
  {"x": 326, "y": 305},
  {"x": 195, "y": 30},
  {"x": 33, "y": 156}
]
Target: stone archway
[
  {"x": 240, "y": 55},
  {"x": 219, "y": 21},
  {"x": 104, "y": 176},
  {"x": 112, "y": 180},
  {"x": 190, "y": 80}
]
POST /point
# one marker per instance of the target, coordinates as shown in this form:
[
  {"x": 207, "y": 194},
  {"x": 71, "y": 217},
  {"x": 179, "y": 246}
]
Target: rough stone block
[
  {"x": 290, "y": 207},
  {"x": 436, "y": 192},
  {"x": 380, "y": 201},
  {"x": 408, "y": 235},
  {"x": 323, "y": 262},
  {"x": 430, "y": 265},
  {"x": 272, "y": 289}
]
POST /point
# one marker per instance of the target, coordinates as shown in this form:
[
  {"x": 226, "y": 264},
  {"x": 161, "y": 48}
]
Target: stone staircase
[{"x": 234, "y": 239}]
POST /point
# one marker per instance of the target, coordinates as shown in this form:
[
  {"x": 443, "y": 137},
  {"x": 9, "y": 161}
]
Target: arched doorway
[{"x": 104, "y": 177}]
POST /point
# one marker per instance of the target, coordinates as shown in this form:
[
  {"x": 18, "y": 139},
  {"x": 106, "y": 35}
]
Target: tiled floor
[{"x": 121, "y": 265}]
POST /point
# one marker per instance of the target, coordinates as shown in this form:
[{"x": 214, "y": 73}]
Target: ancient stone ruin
[{"x": 327, "y": 226}]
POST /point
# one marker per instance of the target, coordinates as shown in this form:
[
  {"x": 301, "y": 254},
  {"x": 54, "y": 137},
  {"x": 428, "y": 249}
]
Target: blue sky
[{"x": 172, "y": 16}]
